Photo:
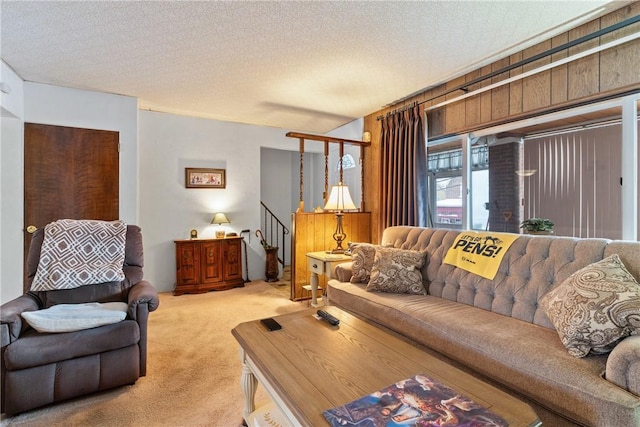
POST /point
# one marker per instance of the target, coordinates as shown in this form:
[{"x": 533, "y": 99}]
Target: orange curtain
[{"x": 403, "y": 193}]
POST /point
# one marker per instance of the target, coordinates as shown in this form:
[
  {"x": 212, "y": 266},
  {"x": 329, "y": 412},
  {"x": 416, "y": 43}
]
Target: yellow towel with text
[{"x": 479, "y": 252}]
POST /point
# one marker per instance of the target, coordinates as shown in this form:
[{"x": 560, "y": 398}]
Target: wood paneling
[
  {"x": 624, "y": 57},
  {"x": 455, "y": 112},
  {"x": 313, "y": 232},
  {"x": 559, "y": 74},
  {"x": 437, "y": 117},
  {"x": 472, "y": 105},
  {"x": 515, "y": 88},
  {"x": 499, "y": 95},
  {"x": 370, "y": 173},
  {"x": 536, "y": 89},
  {"x": 584, "y": 73},
  {"x": 485, "y": 97},
  {"x": 613, "y": 70}
]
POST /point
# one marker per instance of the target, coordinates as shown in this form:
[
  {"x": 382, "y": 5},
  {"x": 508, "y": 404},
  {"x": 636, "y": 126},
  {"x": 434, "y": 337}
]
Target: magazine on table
[{"x": 418, "y": 401}]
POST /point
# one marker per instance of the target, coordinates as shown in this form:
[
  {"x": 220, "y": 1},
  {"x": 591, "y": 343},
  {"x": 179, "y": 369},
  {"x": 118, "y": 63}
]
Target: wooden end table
[
  {"x": 309, "y": 366},
  {"x": 322, "y": 263}
]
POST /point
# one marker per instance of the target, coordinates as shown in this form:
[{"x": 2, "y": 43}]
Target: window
[
  {"x": 445, "y": 179},
  {"x": 347, "y": 162}
]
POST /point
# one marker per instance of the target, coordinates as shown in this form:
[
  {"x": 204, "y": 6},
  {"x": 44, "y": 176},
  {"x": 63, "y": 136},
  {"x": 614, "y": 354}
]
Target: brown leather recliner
[{"x": 43, "y": 368}]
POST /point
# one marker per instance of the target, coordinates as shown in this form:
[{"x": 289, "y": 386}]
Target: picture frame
[{"x": 205, "y": 178}]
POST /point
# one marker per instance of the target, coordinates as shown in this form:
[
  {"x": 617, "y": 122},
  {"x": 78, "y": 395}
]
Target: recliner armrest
[
  {"x": 142, "y": 292},
  {"x": 10, "y": 318},
  {"x": 143, "y": 298}
]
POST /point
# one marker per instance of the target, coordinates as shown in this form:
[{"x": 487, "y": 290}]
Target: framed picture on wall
[{"x": 205, "y": 178}]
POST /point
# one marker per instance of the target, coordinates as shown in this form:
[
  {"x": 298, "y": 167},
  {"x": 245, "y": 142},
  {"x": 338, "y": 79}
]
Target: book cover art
[{"x": 418, "y": 401}]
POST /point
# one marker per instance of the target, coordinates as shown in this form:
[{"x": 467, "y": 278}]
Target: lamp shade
[
  {"x": 220, "y": 218},
  {"x": 340, "y": 199}
]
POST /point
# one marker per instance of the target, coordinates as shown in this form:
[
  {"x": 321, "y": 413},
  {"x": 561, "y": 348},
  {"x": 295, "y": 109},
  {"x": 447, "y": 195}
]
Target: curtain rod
[
  {"x": 401, "y": 109},
  {"x": 601, "y": 32}
]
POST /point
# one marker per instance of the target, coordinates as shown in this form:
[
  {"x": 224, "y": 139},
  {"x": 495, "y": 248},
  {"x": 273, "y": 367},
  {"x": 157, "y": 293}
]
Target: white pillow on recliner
[{"x": 76, "y": 317}]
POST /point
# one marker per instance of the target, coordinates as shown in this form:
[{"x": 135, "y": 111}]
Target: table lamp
[
  {"x": 339, "y": 201},
  {"x": 219, "y": 219}
]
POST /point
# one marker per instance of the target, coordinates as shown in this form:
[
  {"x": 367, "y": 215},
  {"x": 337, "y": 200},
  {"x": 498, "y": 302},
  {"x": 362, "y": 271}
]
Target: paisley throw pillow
[
  {"x": 595, "y": 307},
  {"x": 398, "y": 271},
  {"x": 362, "y": 255}
]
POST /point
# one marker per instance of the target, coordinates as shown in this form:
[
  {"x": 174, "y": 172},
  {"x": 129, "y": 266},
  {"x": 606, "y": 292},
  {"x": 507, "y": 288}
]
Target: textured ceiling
[{"x": 309, "y": 66}]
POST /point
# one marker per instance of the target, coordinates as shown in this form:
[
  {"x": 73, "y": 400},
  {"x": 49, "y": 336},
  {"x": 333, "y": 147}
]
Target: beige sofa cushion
[
  {"x": 595, "y": 307},
  {"x": 532, "y": 266}
]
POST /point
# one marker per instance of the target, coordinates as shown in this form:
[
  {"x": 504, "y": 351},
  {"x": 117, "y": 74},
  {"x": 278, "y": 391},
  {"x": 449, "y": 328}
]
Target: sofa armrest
[
  {"x": 10, "y": 318},
  {"x": 344, "y": 271},
  {"x": 623, "y": 364},
  {"x": 142, "y": 293}
]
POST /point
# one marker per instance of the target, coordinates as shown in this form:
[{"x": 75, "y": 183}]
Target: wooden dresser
[{"x": 204, "y": 265}]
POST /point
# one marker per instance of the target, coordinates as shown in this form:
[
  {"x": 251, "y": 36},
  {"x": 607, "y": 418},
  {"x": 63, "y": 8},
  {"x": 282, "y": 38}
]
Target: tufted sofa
[{"x": 497, "y": 328}]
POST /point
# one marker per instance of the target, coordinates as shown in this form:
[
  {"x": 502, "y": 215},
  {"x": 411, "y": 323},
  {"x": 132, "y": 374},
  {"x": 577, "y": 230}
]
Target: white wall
[
  {"x": 168, "y": 211},
  {"x": 11, "y": 185},
  {"x": 12, "y": 94},
  {"x": 155, "y": 150},
  {"x": 276, "y": 183},
  {"x": 276, "y": 188}
]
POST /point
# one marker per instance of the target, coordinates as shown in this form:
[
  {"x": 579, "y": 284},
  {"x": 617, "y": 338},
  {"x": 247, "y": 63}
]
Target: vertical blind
[{"x": 576, "y": 183}]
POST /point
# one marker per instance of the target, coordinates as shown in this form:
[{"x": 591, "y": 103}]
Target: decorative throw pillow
[
  {"x": 80, "y": 252},
  {"x": 362, "y": 256},
  {"x": 76, "y": 317},
  {"x": 398, "y": 271},
  {"x": 595, "y": 307}
]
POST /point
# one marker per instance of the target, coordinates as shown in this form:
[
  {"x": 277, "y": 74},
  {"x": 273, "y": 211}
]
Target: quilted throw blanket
[{"x": 80, "y": 252}]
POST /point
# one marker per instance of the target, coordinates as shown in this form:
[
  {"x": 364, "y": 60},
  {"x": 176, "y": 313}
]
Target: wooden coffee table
[{"x": 309, "y": 366}]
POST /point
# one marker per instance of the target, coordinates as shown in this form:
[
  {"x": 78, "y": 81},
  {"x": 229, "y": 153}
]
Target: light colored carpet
[{"x": 193, "y": 369}]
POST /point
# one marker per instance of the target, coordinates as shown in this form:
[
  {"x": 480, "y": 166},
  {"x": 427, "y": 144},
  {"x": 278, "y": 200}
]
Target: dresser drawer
[{"x": 316, "y": 266}]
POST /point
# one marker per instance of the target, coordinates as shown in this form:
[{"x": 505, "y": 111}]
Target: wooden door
[{"x": 69, "y": 173}]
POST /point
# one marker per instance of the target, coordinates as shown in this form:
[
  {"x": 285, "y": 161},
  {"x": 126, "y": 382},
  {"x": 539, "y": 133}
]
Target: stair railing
[{"x": 274, "y": 231}]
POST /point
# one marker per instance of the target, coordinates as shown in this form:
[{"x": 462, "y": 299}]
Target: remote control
[{"x": 328, "y": 317}]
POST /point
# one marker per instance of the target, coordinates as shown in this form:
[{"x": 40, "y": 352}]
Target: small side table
[{"x": 325, "y": 264}]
